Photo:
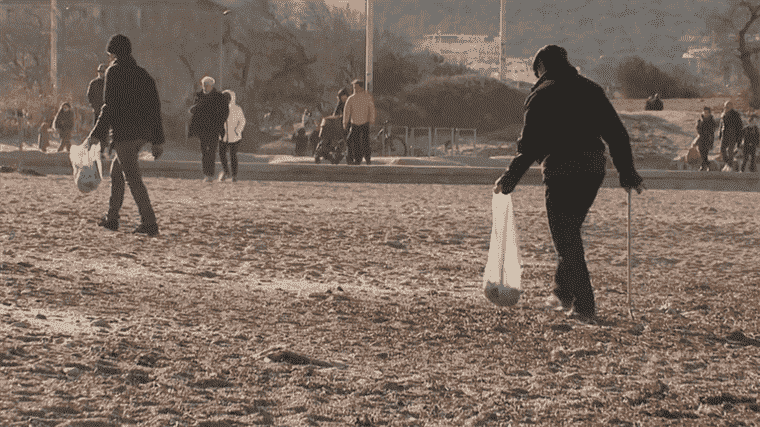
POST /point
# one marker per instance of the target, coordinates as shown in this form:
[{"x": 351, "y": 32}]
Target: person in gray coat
[{"x": 730, "y": 135}]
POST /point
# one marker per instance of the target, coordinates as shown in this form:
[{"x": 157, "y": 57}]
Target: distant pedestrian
[
  {"x": 730, "y": 133},
  {"x": 43, "y": 138},
  {"x": 343, "y": 95},
  {"x": 359, "y": 114},
  {"x": 95, "y": 96},
  {"x": 302, "y": 142},
  {"x": 209, "y": 114},
  {"x": 750, "y": 141},
  {"x": 657, "y": 104},
  {"x": 131, "y": 112},
  {"x": 233, "y": 134},
  {"x": 706, "y": 126},
  {"x": 64, "y": 124},
  {"x": 95, "y": 92},
  {"x": 571, "y": 153}
]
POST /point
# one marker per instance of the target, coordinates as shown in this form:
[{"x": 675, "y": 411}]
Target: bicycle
[{"x": 386, "y": 143}]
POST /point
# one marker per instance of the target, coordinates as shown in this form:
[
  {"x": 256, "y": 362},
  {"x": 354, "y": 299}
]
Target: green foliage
[
  {"x": 464, "y": 101},
  {"x": 640, "y": 79}
]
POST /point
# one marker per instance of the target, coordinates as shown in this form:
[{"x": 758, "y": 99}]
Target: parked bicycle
[{"x": 385, "y": 143}]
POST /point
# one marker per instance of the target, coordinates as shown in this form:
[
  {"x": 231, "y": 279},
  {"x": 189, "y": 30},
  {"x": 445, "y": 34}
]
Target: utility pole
[
  {"x": 502, "y": 42},
  {"x": 54, "y": 82},
  {"x": 368, "y": 62}
]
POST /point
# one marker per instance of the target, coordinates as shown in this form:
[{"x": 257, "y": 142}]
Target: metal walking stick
[{"x": 630, "y": 307}]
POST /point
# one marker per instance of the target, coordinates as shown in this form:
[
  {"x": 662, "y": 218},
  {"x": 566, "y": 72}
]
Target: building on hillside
[{"x": 480, "y": 53}]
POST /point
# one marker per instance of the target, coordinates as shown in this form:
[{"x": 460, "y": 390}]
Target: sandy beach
[{"x": 271, "y": 303}]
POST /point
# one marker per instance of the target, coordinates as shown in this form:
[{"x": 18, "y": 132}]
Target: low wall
[{"x": 388, "y": 173}]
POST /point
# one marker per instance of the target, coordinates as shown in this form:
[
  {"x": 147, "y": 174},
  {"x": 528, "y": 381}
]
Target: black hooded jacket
[
  {"x": 566, "y": 118},
  {"x": 132, "y": 108}
]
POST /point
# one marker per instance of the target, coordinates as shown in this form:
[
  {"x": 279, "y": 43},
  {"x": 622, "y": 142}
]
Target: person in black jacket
[
  {"x": 730, "y": 134},
  {"x": 750, "y": 141},
  {"x": 706, "y": 126},
  {"x": 567, "y": 142},
  {"x": 132, "y": 113},
  {"x": 95, "y": 91},
  {"x": 95, "y": 95},
  {"x": 209, "y": 113},
  {"x": 64, "y": 124}
]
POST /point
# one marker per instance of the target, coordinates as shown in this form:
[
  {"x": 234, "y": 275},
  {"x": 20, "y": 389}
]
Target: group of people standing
[
  {"x": 217, "y": 123},
  {"x": 733, "y": 136}
]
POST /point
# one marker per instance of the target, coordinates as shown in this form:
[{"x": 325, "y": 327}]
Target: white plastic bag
[
  {"x": 503, "y": 273},
  {"x": 85, "y": 159}
]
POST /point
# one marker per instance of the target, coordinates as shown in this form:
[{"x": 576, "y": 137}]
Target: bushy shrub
[
  {"x": 466, "y": 101},
  {"x": 640, "y": 79}
]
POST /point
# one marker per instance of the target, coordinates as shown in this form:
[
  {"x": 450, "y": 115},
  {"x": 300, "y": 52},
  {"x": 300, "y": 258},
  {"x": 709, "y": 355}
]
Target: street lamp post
[
  {"x": 221, "y": 47},
  {"x": 370, "y": 32}
]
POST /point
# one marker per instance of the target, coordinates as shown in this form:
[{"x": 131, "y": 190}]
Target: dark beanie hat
[
  {"x": 552, "y": 56},
  {"x": 119, "y": 45}
]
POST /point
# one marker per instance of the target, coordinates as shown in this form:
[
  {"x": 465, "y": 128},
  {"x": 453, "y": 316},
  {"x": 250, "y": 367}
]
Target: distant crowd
[{"x": 736, "y": 139}]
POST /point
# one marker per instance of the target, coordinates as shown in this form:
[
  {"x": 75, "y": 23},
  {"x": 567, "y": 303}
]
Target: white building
[{"x": 478, "y": 52}]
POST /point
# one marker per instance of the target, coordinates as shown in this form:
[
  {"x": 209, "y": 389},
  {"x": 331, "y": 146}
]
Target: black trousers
[
  {"x": 125, "y": 167},
  {"x": 568, "y": 200},
  {"x": 727, "y": 152},
  {"x": 358, "y": 144},
  {"x": 208, "y": 153},
  {"x": 704, "y": 150},
  {"x": 749, "y": 158},
  {"x": 233, "y": 148}
]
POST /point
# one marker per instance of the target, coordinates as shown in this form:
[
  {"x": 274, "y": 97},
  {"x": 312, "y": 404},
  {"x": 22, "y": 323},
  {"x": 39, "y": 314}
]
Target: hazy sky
[{"x": 353, "y": 4}]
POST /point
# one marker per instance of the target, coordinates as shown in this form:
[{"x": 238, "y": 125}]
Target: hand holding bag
[{"x": 85, "y": 159}]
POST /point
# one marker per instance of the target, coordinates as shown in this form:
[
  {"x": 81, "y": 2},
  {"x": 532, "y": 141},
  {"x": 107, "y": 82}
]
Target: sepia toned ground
[{"x": 295, "y": 304}]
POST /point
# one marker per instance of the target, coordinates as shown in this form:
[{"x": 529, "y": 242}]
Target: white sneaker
[
  {"x": 206, "y": 179},
  {"x": 222, "y": 177}
]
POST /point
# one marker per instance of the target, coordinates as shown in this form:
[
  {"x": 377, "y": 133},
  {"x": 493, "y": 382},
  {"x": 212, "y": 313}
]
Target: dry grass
[{"x": 376, "y": 288}]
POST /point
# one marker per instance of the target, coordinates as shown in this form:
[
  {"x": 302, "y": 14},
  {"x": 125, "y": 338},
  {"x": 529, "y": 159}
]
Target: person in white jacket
[{"x": 233, "y": 134}]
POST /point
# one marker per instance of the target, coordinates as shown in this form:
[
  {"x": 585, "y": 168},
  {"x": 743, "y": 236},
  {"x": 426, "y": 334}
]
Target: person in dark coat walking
[
  {"x": 64, "y": 124},
  {"x": 132, "y": 114},
  {"x": 95, "y": 96},
  {"x": 570, "y": 150},
  {"x": 706, "y": 126},
  {"x": 750, "y": 141},
  {"x": 730, "y": 133},
  {"x": 95, "y": 91},
  {"x": 209, "y": 114}
]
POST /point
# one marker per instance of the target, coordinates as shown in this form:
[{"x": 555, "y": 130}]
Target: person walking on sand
[
  {"x": 131, "y": 112},
  {"x": 64, "y": 124},
  {"x": 359, "y": 114},
  {"x": 43, "y": 138},
  {"x": 233, "y": 134},
  {"x": 730, "y": 134},
  {"x": 706, "y": 126},
  {"x": 95, "y": 96},
  {"x": 571, "y": 152},
  {"x": 209, "y": 113},
  {"x": 750, "y": 141}
]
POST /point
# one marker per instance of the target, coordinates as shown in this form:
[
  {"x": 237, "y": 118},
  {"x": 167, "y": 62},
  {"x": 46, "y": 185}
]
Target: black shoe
[
  {"x": 110, "y": 224},
  {"x": 148, "y": 229},
  {"x": 587, "y": 318}
]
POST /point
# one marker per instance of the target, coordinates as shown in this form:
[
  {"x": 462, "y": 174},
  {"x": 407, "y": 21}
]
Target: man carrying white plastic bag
[
  {"x": 503, "y": 272},
  {"x": 85, "y": 159},
  {"x": 569, "y": 143}
]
